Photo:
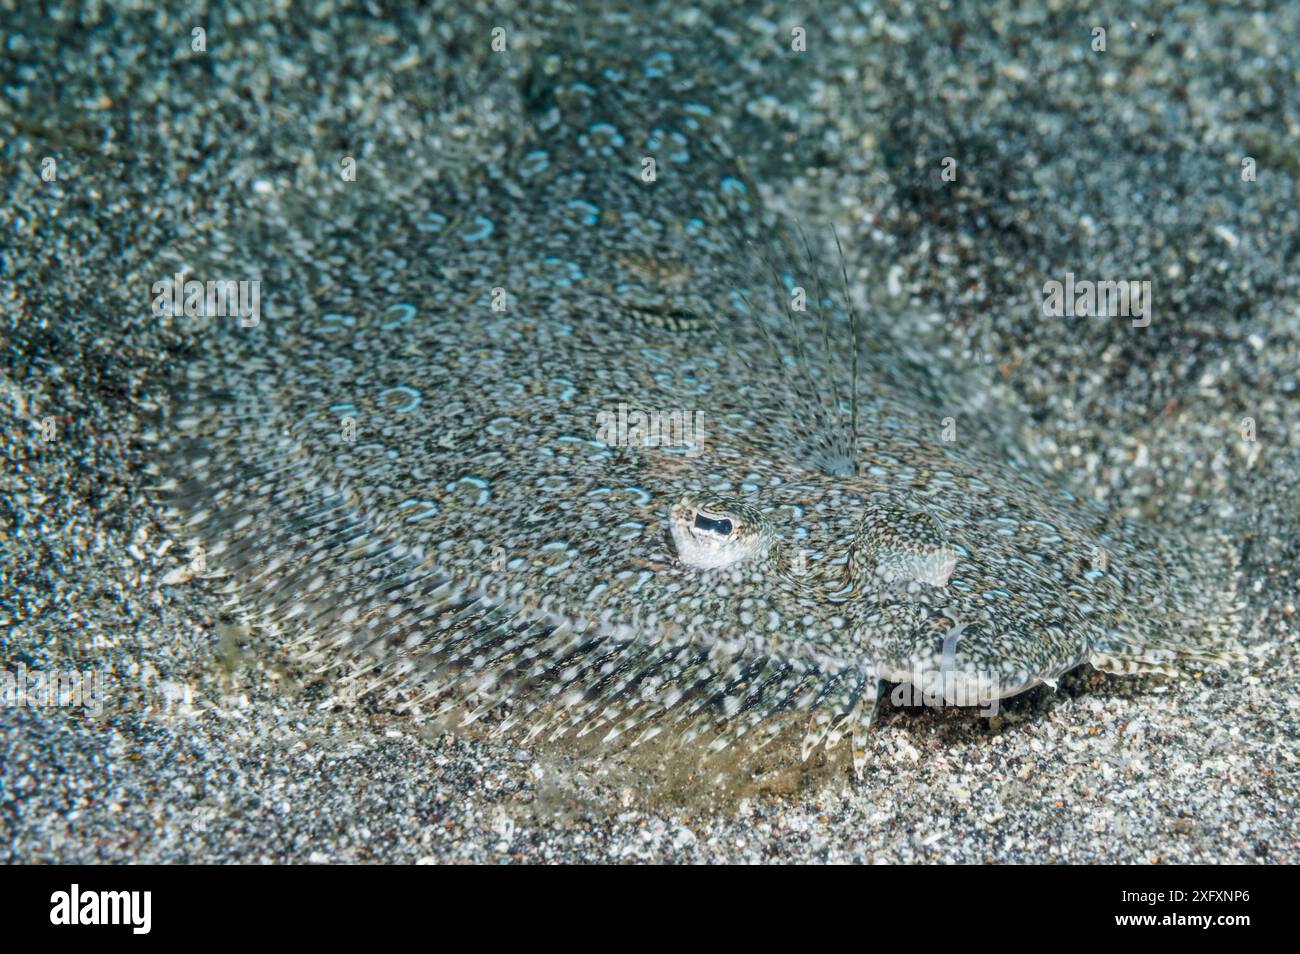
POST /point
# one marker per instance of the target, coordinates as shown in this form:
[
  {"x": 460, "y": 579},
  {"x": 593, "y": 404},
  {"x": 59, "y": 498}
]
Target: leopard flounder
[{"x": 427, "y": 492}]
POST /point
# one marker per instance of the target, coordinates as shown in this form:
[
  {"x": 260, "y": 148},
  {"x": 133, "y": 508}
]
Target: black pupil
[{"x": 722, "y": 526}]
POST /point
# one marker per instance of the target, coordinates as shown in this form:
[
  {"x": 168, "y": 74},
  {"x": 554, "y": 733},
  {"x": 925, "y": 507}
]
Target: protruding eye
[
  {"x": 715, "y": 532},
  {"x": 722, "y": 527}
]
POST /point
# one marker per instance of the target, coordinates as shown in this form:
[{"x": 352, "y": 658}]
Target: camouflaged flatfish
[{"x": 583, "y": 451}]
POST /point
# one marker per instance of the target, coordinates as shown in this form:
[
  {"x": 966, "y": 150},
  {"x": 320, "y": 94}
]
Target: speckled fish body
[{"x": 432, "y": 481}]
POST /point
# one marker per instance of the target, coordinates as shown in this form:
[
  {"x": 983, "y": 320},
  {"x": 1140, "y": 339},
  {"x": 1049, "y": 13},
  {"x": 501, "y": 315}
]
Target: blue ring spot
[
  {"x": 406, "y": 312},
  {"x": 659, "y": 63},
  {"x": 603, "y": 449},
  {"x": 429, "y": 509},
  {"x": 590, "y": 211},
  {"x": 483, "y": 231},
  {"x": 534, "y": 163},
  {"x": 484, "y": 494},
  {"x": 336, "y": 322},
  {"x": 643, "y": 496},
  {"x": 413, "y": 398},
  {"x": 433, "y": 222}
]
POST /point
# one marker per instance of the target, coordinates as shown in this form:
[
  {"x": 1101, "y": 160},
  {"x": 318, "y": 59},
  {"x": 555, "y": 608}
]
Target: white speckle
[
  {"x": 182, "y": 574},
  {"x": 1227, "y": 235},
  {"x": 894, "y": 283}
]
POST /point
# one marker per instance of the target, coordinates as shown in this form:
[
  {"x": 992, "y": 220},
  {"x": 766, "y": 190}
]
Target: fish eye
[
  {"x": 721, "y": 526},
  {"x": 717, "y": 532}
]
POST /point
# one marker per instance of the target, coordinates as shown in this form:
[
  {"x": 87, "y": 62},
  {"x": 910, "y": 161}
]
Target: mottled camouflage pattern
[{"x": 477, "y": 545}]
